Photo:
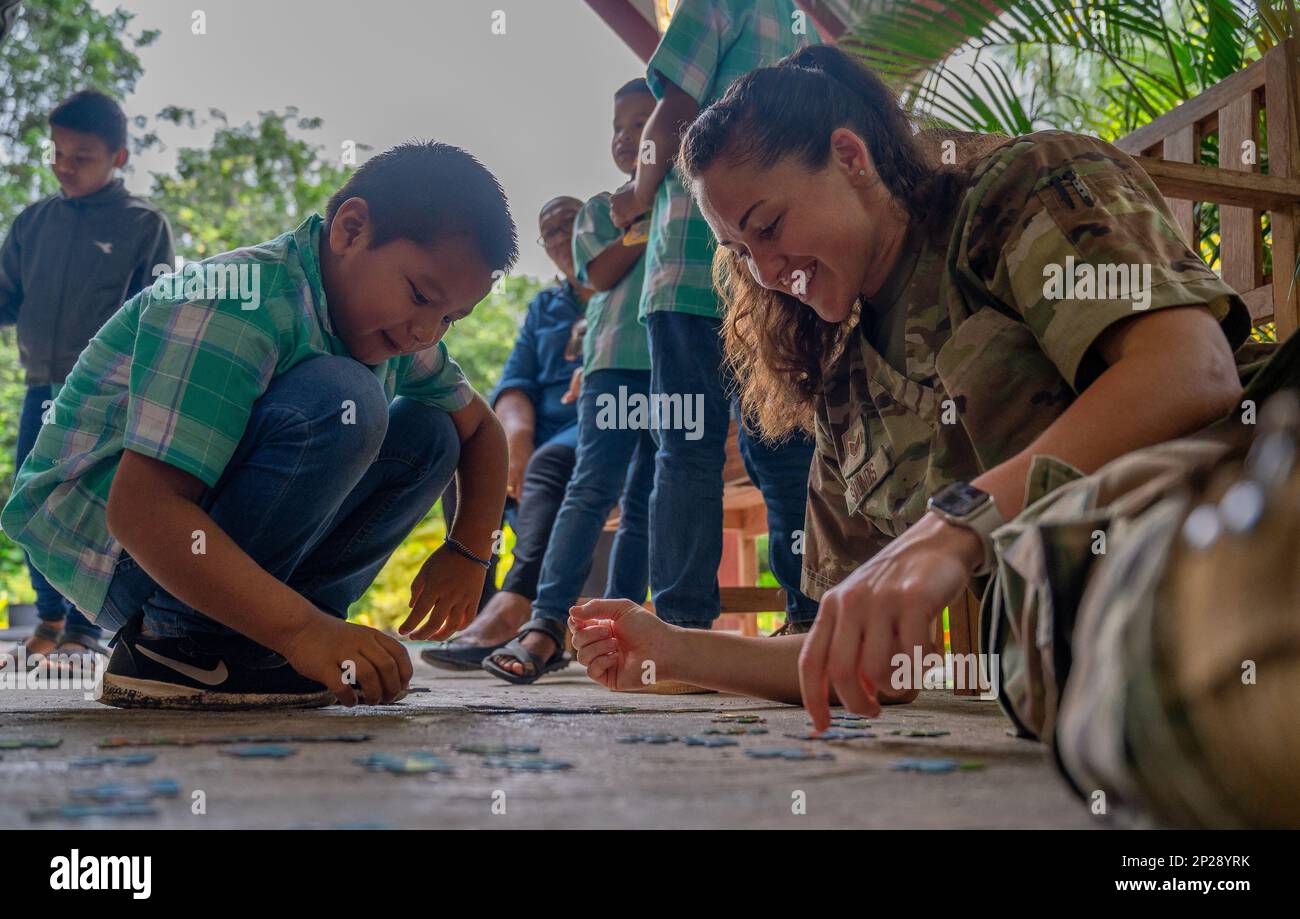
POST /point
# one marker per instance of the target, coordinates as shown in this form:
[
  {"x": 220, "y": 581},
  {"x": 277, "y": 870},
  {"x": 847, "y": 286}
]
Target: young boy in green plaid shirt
[
  {"x": 707, "y": 45},
  {"x": 241, "y": 447},
  {"x": 612, "y": 459}
]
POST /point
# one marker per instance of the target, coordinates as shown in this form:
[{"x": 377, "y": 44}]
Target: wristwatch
[{"x": 964, "y": 505}]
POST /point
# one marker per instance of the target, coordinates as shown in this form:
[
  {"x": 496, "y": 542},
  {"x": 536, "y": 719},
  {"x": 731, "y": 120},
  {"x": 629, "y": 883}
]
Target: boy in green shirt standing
[{"x": 242, "y": 446}]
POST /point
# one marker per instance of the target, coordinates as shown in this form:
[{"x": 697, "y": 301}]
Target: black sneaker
[{"x": 203, "y": 672}]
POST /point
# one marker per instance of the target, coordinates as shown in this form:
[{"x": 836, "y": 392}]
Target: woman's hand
[
  {"x": 446, "y": 591},
  {"x": 886, "y": 607},
  {"x": 622, "y": 645}
]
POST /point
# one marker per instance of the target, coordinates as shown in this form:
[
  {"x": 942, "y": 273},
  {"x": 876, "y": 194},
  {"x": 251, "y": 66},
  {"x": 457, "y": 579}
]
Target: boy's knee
[
  {"x": 341, "y": 390},
  {"x": 428, "y": 434}
]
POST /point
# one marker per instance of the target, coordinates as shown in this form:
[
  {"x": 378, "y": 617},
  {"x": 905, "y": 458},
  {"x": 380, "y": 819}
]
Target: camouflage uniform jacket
[{"x": 994, "y": 352}]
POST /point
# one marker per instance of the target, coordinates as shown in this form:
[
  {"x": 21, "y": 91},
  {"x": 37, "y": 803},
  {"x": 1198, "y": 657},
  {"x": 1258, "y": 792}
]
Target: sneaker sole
[{"x": 129, "y": 692}]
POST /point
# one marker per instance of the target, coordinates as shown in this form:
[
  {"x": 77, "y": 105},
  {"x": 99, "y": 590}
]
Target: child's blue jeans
[
  {"x": 319, "y": 503},
  {"x": 686, "y": 505},
  {"x": 51, "y": 606},
  {"x": 612, "y": 461}
]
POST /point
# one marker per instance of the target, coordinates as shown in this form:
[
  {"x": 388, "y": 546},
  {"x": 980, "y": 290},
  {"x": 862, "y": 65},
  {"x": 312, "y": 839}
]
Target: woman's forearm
[
  {"x": 763, "y": 667},
  {"x": 516, "y": 413}
]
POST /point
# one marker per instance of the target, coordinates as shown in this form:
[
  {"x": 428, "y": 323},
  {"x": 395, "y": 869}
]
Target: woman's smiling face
[{"x": 809, "y": 234}]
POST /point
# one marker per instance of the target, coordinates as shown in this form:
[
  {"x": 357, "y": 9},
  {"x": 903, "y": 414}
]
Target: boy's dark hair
[
  {"x": 425, "y": 191},
  {"x": 639, "y": 85},
  {"x": 91, "y": 112}
]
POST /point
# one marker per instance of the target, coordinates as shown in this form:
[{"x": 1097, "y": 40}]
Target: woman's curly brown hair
[{"x": 777, "y": 348}]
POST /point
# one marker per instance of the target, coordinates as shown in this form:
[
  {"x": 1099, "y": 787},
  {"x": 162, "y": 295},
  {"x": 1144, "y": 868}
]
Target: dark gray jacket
[{"x": 68, "y": 264}]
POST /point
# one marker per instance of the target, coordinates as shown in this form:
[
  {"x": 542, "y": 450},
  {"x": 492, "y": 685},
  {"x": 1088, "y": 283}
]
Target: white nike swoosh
[
  {"x": 214, "y": 677},
  {"x": 106, "y": 248}
]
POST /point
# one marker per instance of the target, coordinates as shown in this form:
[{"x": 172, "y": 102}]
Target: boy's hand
[
  {"x": 447, "y": 591},
  {"x": 575, "y": 388},
  {"x": 519, "y": 450},
  {"x": 623, "y": 645},
  {"x": 346, "y": 656},
  {"x": 625, "y": 207}
]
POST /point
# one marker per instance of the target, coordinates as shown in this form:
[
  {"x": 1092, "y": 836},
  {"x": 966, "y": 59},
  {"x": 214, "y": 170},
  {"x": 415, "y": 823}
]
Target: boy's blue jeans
[
  {"x": 51, "y": 606},
  {"x": 686, "y": 505},
  {"x": 612, "y": 461},
  {"x": 320, "y": 504}
]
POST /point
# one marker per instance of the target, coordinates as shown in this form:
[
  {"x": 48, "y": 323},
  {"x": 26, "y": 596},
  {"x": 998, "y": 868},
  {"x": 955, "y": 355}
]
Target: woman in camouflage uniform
[{"x": 931, "y": 324}]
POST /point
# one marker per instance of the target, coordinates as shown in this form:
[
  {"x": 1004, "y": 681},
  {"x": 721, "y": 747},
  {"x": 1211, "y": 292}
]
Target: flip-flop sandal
[
  {"x": 446, "y": 657},
  {"x": 534, "y": 666},
  {"x": 76, "y": 661},
  {"x": 31, "y": 661}
]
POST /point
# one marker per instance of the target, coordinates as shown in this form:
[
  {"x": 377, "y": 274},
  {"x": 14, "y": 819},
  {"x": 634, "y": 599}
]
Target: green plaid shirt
[
  {"x": 708, "y": 44},
  {"x": 176, "y": 379},
  {"x": 615, "y": 338}
]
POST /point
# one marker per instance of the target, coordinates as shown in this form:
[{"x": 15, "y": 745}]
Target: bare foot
[
  {"x": 503, "y": 616},
  {"x": 539, "y": 643}
]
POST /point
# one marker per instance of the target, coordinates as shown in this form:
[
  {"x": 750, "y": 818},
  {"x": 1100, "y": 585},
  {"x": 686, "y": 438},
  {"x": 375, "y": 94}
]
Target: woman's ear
[{"x": 849, "y": 153}]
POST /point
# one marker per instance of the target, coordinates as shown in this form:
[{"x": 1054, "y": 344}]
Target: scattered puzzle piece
[
  {"x": 710, "y": 742},
  {"x": 33, "y": 743},
  {"x": 496, "y": 749},
  {"x": 794, "y": 753},
  {"x": 832, "y": 734},
  {"x": 525, "y": 764},
  {"x": 649, "y": 738},
  {"x": 81, "y": 811},
  {"x": 94, "y": 762},
  {"x": 934, "y": 765},
  {"x": 740, "y": 719},
  {"x": 261, "y": 751},
  {"x": 182, "y": 741},
  {"x": 418, "y": 763},
  {"x": 123, "y": 791},
  {"x": 737, "y": 729},
  {"x": 919, "y": 732}
]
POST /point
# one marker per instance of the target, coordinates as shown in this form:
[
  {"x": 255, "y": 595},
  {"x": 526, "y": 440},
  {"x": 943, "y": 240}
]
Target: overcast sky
[{"x": 534, "y": 104}]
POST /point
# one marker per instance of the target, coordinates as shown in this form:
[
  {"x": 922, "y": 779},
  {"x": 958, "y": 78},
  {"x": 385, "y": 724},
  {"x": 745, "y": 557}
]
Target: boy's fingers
[
  {"x": 390, "y": 679},
  {"x": 367, "y": 680},
  {"x": 344, "y": 693},
  {"x": 394, "y": 649}
]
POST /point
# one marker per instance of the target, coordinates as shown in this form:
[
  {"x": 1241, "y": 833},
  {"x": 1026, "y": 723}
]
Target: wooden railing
[{"x": 1169, "y": 149}]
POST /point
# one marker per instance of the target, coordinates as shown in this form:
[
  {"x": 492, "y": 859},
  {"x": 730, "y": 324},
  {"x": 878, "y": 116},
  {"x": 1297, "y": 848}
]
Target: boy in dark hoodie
[{"x": 69, "y": 261}]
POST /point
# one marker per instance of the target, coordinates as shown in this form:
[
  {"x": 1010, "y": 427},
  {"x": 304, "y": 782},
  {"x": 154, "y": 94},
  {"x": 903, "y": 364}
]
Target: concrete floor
[{"x": 611, "y": 784}]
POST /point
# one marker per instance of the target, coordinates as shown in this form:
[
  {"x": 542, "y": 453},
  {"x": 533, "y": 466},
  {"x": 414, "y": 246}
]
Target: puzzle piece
[
  {"x": 94, "y": 762},
  {"x": 737, "y": 729},
  {"x": 261, "y": 751},
  {"x": 649, "y": 738},
  {"x": 496, "y": 749},
  {"x": 740, "y": 719},
  {"x": 792, "y": 753},
  {"x": 710, "y": 742},
  {"x": 33, "y": 743},
  {"x": 934, "y": 765},
  {"x": 919, "y": 732},
  {"x": 183, "y": 741},
  {"x": 124, "y": 791},
  {"x": 832, "y": 734},
  {"x": 81, "y": 811},
  {"x": 418, "y": 763},
  {"x": 525, "y": 764}
]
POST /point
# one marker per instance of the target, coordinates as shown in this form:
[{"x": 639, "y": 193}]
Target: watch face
[{"x": 960, "y": 499}]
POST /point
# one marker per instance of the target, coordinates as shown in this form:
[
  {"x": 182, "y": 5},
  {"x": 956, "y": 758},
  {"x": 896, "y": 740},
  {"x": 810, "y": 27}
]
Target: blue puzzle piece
[
  {"x": 418, "y": 763},
  {"x": 260, "y": 751},
  {"x": 94, "y": 762},
  {"x": 497, "y": 749},
  {"x": 710, "y": 742},
  {"x": 649, "y": 738},
  {"x": 81, "y": 811},
  {"x": 123, "y": 791},
  {"x": 792, "y": 753},
  {"x": 525, "y": 764}
]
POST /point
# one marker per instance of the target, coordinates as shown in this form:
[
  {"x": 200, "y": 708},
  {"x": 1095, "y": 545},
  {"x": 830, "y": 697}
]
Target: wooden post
[
  {"x": 1282, "y": 109},
  {"x": 1184, "y": 146},
  {"x": 1240, "y": 234}
]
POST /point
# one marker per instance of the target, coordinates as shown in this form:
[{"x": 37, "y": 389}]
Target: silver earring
[{"x": 862, "y": 172}]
